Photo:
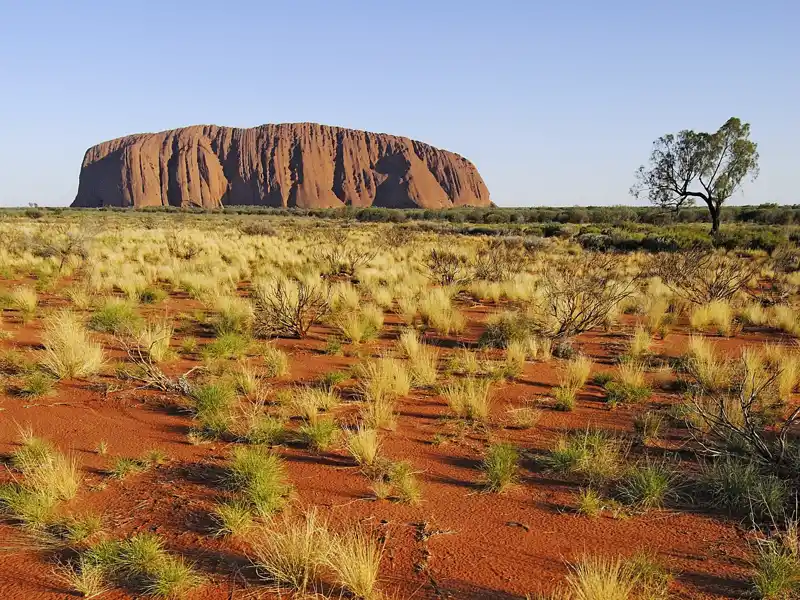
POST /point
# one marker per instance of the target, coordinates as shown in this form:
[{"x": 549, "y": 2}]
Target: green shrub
[
  {"x": 592, "y": 455},
  {"x": 500, "y": 466},
  {"x": 647, "y": 485}
]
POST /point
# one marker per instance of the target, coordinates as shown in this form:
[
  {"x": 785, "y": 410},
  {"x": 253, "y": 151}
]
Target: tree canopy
[{"x": 697, "y": 165}]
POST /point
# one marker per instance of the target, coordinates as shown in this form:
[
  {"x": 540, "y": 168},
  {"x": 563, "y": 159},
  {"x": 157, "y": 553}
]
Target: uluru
[{"x": 304, "y": 165}]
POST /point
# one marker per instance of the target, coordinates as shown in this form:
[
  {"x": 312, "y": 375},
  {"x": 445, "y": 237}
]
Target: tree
[{"x": 692, "y": 165}]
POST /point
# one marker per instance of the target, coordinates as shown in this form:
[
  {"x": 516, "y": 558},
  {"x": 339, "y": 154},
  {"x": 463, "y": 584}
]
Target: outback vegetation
[{"x": 539, "y": 403}]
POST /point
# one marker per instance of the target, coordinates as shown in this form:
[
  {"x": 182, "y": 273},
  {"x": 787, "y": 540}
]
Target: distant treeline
[
  {"x": 603, "y": 228},
  {"x": 764, "y": 214}
]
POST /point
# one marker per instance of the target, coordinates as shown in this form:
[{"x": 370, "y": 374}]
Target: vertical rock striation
[{"x": 295, "y": 164}]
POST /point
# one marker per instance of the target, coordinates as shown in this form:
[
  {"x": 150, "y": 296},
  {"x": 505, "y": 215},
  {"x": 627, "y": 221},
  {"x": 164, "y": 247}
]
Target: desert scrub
[
  {"x": 114, "y": 315},
  {"x": 592, "y": 455},
  {"x": 469, "y": 399},
  {"x": 213, "y": 408},
  {"x": 47, "y": 477},
  {"x": 226, "y": 346},
  {"x": 364, "y": 445},
  {"x": 647, "y": 426},
  {"x": 422, "y": 359},
  {"x": 505, "y": 328},
  {"x": 259, "y": 476},
  {"x": 628, "y": 385},
  {"x": 319, "y": 434},
  {"x": 289, "y": 308},
  {"x": 500, "y": 466},
  {"x": 276, "y": 361},
  {"x": 383, "y": 378},
  {"x": 742, "y": 489},
  {"x": 647, "y": 485},
  {"x": 24, "y": 300},
  {"x": 139, "y": 562},
  {"x": 68, "y": 350}
]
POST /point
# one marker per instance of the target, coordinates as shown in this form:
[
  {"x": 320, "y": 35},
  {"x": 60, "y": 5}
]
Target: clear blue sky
[{"x": 555, "y": 102}]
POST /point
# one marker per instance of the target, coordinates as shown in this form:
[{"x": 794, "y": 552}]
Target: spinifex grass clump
[
  {"x": 364, "y": 445},
  {"x": 259, "y": 477},
  {"x": 716, "y": 316},
  {"x": 68, "y": 350},
  {"x": 506, "y": 328},
  {"x": 383, "y": 378},
  {"x": 628, "y": 385},
  {"x": 744, "y": 489},
  {"x": 592, "y": 455},
  {"x": 777, "y": 569},
  {"x": 233, "y": 315},
  {"x": 319, "y": 434},
  {"x": 648, "y": 425},
  {"x": 276, "y": 361},
  {"x": 226, "y": 346},
  {"x": 639, "y": 345},
  {"x": 500, "y": 465},
  {"x": 469, "y": 399},
  {"x": 154, "y": 339},
  {"x": 614, "y": 578},
  {"x": 46, "y": 477},
  {"x": 140, "y": 563},
  {"x": 711, "y": 372},
  {"x": 309, "y": 402},
  {"x": 360, "y": 325},
  {"x": 213, "y": 408},
  {"x": 422, "y": 359},
  {"x": 24, "y": 300},
  {"x": 572, "y": 379},
  {"x": 115, "y": 315},
  {"x": 647, "y": 485},
  {"x": 300, "y": 554}
]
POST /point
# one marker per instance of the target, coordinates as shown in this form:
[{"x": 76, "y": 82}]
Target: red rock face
[{"x": 296, "y": 164}]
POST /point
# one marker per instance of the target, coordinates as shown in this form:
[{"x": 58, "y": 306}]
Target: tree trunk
[{"x": 715, "y": 214}]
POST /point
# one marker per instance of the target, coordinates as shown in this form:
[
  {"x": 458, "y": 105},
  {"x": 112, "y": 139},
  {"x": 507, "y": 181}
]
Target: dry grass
[
  {"x": 25, "y": 300},
  {"x": 422, "y": 359},
  {"x": 576, "y": 373},
  {"x": 276, "y": 361},
  {"x": 601, "y": 578},
  {"x": 716, "y": 315},
  {"x": 711, "y": 371},
  {"x": 154, "y": 339},
  {"x": 355, "y": 560},
  {"x": 291, "y": 553},
  {"x": 68, "y": 350},
  {"x": 383, "y": 378},
  {"x": 469, "y": 398},
  {"x": 364, "y": 444},
  {"x": 639, "y": 344}
]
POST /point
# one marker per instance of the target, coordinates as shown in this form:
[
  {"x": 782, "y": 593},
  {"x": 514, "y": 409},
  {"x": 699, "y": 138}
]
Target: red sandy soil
[{"x": 492, "y": 546}]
